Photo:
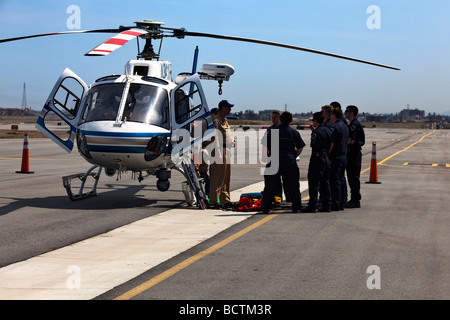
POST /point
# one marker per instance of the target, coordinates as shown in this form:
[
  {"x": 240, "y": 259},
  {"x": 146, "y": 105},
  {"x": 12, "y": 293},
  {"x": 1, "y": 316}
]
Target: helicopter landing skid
[{"x": 83, "y": 177}]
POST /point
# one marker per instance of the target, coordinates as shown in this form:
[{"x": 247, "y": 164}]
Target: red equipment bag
[{"x": 250, "y": 202}]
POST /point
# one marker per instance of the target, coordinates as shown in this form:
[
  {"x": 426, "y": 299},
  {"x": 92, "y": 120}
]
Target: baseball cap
[{"x": 225, "y": 103}]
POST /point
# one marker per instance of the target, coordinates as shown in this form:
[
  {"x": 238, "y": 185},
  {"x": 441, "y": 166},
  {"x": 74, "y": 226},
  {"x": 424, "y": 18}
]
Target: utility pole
[{"x": 24, "y": 98}]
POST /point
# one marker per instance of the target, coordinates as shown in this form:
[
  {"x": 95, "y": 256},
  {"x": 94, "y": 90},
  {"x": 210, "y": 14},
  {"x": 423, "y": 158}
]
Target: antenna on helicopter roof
[{"x": 137, "y": 41}]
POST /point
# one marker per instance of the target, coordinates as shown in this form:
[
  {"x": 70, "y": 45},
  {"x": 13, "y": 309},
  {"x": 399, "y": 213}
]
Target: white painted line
[{"x": 91, "y": 267}]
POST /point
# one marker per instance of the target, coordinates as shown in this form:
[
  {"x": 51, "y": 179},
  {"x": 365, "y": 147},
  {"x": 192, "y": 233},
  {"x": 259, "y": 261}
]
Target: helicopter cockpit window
[
  {"x": 103, "y": 102},
  {"x": 68, "y": 96},
  {"x": 187, "y": 102},
  {"x": 147, "y": 104}
]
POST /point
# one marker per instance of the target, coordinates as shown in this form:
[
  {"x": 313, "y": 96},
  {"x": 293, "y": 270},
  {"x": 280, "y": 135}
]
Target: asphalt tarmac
[{"x": 394, "y": 247}]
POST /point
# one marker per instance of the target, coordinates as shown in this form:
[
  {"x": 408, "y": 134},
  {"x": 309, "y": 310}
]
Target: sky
[{"x": 409, "y": 34}]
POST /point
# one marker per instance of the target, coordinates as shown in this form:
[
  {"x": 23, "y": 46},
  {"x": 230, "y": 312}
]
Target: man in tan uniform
[
  {"x": 220, "y": 169},
  {"x": 204, "y": 165}
]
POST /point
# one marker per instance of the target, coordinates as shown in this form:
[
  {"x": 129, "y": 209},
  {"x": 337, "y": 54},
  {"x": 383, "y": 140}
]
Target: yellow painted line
[
  {"x": 406, "y": 163},
  {"x": 20, "y": 140},
  {"x": 182, "y": 265},
  {"x": 398, "y": 152},
  {"x": 447, "y": 165},
  {"x": 435, "y": 164},
  {"x": 412, "y": 145},
  {"x": 44, "y": 159},
  {"x": 8, "y": 158}
]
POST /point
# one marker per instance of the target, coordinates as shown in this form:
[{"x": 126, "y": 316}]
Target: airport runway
[{"x": 134, "y": 242}]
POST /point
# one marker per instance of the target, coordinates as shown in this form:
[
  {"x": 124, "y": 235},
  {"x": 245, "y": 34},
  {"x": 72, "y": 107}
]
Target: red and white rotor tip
[{"x": 115, "y": 42}]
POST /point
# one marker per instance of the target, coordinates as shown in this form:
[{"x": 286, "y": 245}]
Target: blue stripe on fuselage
[
  {"x": 115, "y": 149},
  {"x": 124, "y": 134},
  {"x": 111, "y": 148}
]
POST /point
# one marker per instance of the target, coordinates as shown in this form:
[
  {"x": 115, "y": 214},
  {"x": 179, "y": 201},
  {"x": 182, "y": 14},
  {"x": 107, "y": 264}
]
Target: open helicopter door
[
  {"x": 61, "y": 113},
  {"x": 188, "y": 104}
]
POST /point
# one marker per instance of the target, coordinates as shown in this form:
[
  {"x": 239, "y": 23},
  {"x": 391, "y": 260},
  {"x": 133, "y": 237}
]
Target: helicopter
[{"x": 141, "y": 121}]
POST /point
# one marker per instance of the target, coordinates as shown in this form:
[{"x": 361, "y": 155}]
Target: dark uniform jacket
[
  {"x": 356, "y": 133},
  {"x": 265, "y": 140},
  {"x": 329, "y": 124},
  {"x": 339, "y": 138},
  {"x": 320, "y": 141},
  {"x": 289, "y": 141}
]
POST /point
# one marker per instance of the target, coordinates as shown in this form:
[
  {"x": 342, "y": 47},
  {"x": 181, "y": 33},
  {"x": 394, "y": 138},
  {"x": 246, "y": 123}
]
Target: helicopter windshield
[
  {"x": 147, "y": 104},
  {"x": 103, "y": 102}
]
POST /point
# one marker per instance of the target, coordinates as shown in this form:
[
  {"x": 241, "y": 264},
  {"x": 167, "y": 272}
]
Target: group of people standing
[
  {"x": 335, "y": 149},
  {"x": 336, "y": 143}
]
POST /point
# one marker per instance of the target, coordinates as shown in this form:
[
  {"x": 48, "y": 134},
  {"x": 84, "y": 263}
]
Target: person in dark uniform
[
  {"x": 290, "y": 145},
  {"x": 338, "y": 156},
  {"x": 326, "y": 113},
  {"x": 337, "y": 105},
  {"x": 275, "y": 123},
  {"x": 354, "y": 156},
  {"x": 319, "y": 166}
]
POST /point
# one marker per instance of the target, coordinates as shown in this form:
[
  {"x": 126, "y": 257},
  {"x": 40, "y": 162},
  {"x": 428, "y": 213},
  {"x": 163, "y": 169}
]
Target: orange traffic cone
[
  {"x": 373, "y": 165},
  {"x": 25, "y": 157}
]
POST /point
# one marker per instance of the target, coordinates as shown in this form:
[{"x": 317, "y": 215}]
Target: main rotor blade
[
  {"x": 63, "y": 32},
  {"x": 216, "y": 36},
  {"x": 115, "y": 42}
]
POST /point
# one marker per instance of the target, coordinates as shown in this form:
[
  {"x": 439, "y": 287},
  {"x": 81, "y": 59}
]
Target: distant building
[
  {"x": 412, "y": 115},
  {"x": 362, "y": 117},
  {"x": 265, "y": 115}
]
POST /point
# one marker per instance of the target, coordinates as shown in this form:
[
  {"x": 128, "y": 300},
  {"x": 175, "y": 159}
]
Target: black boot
[{"x": 309, "y": 209}]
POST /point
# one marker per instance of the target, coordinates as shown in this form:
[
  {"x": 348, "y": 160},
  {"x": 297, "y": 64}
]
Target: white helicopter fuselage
[
  {"x": 115, "y": 134},
  {"x": 121, "y": 148},
  {"x": 119, "y": 120}
]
